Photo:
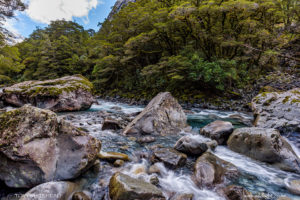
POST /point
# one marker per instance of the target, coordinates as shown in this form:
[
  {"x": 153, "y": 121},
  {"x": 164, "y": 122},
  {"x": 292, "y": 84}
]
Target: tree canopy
[{"x": 154, "y": 45}]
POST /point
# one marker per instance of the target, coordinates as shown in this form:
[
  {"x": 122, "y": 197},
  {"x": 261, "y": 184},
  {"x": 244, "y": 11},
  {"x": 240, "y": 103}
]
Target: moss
[
  {"x": 199, "y": 96},
  {"x": 52, "y": 87},
  {"x": 296, "y": 92},
  {"x": 264, "y": 94},
  {"x": 295, "y": 101},
  {"x": 269, "y": 101},
  {"x": 286, "y": 99}
]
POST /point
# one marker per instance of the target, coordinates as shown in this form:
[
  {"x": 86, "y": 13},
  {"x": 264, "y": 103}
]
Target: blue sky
[{"x": 40, "y": 12}]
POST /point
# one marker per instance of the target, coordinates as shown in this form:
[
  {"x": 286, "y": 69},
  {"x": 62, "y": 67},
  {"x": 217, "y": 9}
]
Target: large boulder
[
  {"x": 218, "y": 130},
  {"x": 265, "y": 145},
  {"x": 194, "y": 145},
  {"x": 124, "y": 187},
  {"x": 70, "y": 93},
  {"x": 169, "y": 156},
  {"x": 51, "y": 191},
  {"x": 210, "y": 170},
  {"x": 279, "y": 110},
  {"x": 37, "y": 147},
  {"x": 162, "y": 116}
]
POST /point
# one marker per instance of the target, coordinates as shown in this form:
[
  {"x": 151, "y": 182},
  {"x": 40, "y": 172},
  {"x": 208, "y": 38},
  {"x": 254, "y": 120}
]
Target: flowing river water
[{"x": 263, "y": 180}]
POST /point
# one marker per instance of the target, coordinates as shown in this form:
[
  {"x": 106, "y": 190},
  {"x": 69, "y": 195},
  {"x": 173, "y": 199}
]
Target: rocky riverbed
[{"x": 156, "y": 152}]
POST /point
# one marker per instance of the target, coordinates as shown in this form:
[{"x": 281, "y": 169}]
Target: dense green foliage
[{"x": 183, "y": 46}]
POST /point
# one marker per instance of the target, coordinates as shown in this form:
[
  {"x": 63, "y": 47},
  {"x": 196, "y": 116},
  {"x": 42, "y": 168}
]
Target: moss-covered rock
[
  {"x": 70, "y": 93},
  {"x": 113, "y": 156},
  {"x": 124, "y": 187},
  {"x": 37, "y": 147},
  {"x": 279, "y": 110}
]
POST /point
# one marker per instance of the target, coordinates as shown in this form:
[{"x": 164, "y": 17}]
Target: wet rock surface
[
  {"x": 51, "y": 191},
  {"x": 169, "y": 156},
  {"x": 36, "y": 147},
  {"x": 194, "y": 145},
  {"x": 218, "y": 130},
  {"x": 266, "y": 145},
  {"x": 162, "y": 116},
  {"x": 234, "y": 192},
  {"x": 210, "y": 170},
  {"x": 70, "y": 93},
  {"x": 294, "y": 187},
  {"x": 113, "y": 156},
  {"x": 279, "y": 110},
  {"x": 124, "y": 187}
]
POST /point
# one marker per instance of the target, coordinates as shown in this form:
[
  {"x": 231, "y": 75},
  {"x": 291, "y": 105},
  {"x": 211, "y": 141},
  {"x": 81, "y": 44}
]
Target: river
[{"x": 261, "y": 179}]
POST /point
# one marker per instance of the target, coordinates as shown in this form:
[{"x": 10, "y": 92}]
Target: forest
[{"x": 189, "y": 47}]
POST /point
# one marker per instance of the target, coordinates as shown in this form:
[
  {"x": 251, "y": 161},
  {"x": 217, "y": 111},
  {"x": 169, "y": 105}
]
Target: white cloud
[
  {"x": 45, "y": 11},
  {"x": 9, "y": 24}
]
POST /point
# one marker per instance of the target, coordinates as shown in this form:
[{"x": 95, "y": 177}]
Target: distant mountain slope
[{"x": 117, "y": 7}]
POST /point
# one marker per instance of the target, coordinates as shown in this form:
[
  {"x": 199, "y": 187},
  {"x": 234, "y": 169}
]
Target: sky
[{"x": 41, "y": 12}]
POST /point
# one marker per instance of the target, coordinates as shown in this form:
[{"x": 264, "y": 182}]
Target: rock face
[
  {"x": 162, "y": 116},
  {"x": 279, "y": 110},
  {"x": 218, "y": 130},
  {"x": 51, "y": 191},
  {"x": 117, "y": 7},
  {"x": 211, "y": 170},
  {"x": 70, "y": 93},
  {"x": 37, "y": 147},
  {"x": 265, "y": 145},
  {"x": 170, "y": 157},
  {"x": 194, "y": 144},
  {"x": 123, "y": 187}
]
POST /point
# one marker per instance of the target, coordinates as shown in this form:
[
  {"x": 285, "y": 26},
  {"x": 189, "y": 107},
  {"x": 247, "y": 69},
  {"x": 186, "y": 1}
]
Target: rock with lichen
[
  {"x": 279, "y": 110},
  {"x": 69, "y": 93},
  {"x": 37, "y": 147}
]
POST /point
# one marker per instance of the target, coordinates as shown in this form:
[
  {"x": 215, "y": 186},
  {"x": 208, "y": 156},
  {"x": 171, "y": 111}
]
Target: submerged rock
[
  {"x": 146, "y": 139},
  {"x": 70, "y": 93},
  {"x": 265, "y": 145},
  {"x": 210, "y": 170},
  {"x": 51, "y": 191},
  {"x": 170, "y": 157},
  {"x": 194, "y": 144},
  {"x": 218, "y": 130},
  {"x": 279, "y": 110},
  {"x": 124, "y": 187},
  {"x": 162, "y": 116},
  {"x": 234, "y": 192},
  {"x": 37, "y": 147}
]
